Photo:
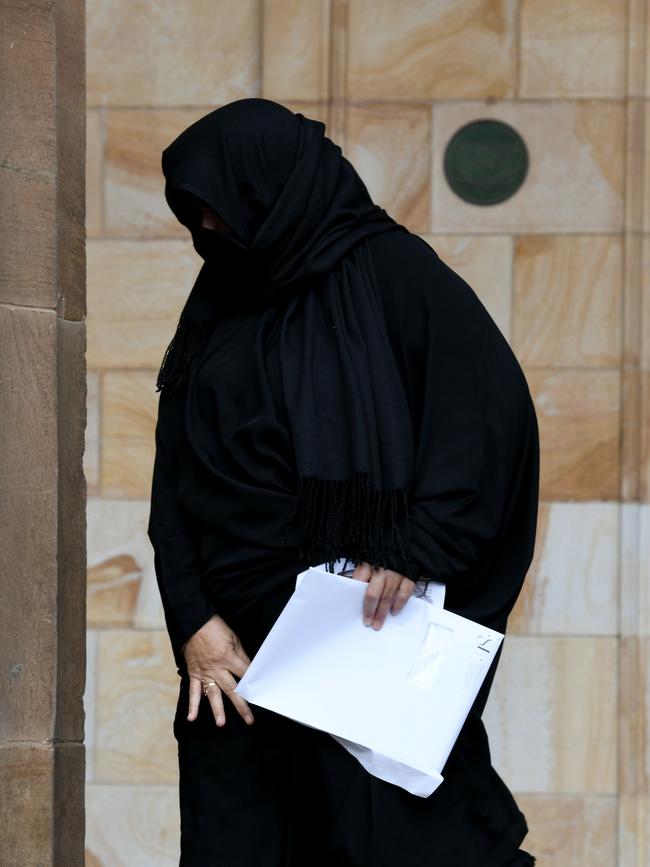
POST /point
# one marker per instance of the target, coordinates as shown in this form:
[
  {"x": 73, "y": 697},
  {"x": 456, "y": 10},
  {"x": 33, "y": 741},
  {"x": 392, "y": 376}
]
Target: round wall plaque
[{"x": 486, "y": 161}]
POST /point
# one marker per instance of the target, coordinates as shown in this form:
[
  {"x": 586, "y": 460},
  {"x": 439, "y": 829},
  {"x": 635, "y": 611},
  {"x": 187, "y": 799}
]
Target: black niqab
[{"x": 297, "y": 214}]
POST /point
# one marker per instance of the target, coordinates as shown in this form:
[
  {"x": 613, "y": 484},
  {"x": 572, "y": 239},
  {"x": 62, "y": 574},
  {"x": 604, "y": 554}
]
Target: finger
[
  {"x": 404, "y": 593},
  {"x": 216, "y": 703},
  {"x": 228, "y": 684},
  {"x": 362, "y": 572},
  {"x": 392, "y": 581},
  {"x": 194, "y": 697},
  {"x": 372, "y": 596},
  {"x": 382, "y": 610}
]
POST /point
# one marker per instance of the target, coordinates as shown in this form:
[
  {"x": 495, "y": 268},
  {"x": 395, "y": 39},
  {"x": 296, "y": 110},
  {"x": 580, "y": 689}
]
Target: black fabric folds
[
  {"x": 333, "y": 388},
  {"x": 297, "y": 215},
  {"x": 359, "y": 401}
]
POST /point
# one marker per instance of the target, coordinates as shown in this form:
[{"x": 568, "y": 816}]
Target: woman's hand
[
  {"x": 387, "y": 590},
  {"x": 215, "y": 652}
]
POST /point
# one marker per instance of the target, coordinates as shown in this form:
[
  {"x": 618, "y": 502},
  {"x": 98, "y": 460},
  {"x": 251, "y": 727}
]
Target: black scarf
[{"x": 297, "y": 214}]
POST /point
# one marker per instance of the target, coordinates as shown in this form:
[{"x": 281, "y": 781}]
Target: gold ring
[{"x": 207, "y": 684}]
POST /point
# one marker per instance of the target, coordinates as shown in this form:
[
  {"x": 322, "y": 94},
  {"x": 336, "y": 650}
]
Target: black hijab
[{"x": 297, "y": 215}]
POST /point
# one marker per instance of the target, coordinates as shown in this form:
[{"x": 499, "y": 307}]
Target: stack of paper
[{"x": 396, "y": 698}]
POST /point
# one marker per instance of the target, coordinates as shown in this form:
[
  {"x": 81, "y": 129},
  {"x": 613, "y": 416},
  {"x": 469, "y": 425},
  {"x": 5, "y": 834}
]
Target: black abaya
[{"x": 278, "y": 793}]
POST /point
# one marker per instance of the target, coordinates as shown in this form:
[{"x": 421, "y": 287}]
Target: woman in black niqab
[{"x": 333, "y": 389}]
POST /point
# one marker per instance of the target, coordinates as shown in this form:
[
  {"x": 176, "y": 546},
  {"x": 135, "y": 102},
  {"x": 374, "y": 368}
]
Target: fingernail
[
  {"x": 367, "y": 621},
  {"x": 376, "y": 624},
  {"x": 249, "y": 719},
  {"x": 220, "y": 720}
]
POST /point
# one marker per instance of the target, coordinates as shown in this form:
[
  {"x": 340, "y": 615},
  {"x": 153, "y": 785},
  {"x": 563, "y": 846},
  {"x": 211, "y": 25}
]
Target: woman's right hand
[{"x": 215, "y": 652}]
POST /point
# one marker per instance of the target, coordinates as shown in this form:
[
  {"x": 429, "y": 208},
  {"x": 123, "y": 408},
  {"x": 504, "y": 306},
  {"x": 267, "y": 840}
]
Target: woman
[{"x": 333, "y": 389}]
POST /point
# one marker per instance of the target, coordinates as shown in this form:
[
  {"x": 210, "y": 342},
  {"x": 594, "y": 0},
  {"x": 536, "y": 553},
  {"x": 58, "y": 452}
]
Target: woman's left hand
[{"x": 387, "y": 590}]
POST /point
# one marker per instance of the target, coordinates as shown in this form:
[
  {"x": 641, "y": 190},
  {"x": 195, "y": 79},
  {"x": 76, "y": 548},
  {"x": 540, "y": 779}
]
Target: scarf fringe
[
  {"x": 348, "y": 518},
  {"x": 185, "y": 346}
]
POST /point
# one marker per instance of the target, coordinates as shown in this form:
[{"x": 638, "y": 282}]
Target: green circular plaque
[{"x": 486, "y": 162}]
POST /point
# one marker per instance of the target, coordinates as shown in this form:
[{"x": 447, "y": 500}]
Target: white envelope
[{"x": 395, "y": 698}]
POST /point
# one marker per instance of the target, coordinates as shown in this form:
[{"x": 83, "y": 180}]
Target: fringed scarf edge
[
  {"x": 349, "y": 518},
  {"x": 184, "y": 347}
]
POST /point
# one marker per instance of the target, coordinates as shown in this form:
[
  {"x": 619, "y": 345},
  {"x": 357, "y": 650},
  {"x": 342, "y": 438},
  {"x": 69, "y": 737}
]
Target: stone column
[{"x": 42, "y": 420}]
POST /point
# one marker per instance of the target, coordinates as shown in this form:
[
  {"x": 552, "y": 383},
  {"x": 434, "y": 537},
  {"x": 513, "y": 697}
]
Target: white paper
[{"x": 396, "y": 698}]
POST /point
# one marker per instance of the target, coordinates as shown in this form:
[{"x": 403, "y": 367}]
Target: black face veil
[
  {"x": 297, "y": 214},
  {"x": 292, "y": 201}
]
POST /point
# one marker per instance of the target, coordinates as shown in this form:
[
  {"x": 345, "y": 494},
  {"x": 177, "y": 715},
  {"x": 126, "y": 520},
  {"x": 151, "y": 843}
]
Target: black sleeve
[
  {"x": 474, "y": 425},
  {"x": 172, "y": 534}
]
